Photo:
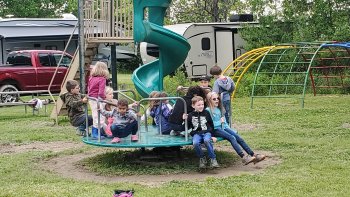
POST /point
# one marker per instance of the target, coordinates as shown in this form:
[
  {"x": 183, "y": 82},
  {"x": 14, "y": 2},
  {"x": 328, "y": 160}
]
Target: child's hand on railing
[
  {"x": 222, "y": 119},
  {"x": 135, "y": 104},
  {"x": 84, "y": 100},
  {"x": 184, "y": 116},
  {"x": 214, "y": 139}
]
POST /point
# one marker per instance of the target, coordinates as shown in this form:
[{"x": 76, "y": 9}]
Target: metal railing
[
  {"x": 24, "y": 103},
  {"x": 98, "y": 101},
  {"x": 167, "y": 98},
  {"x": 109, "y": 20}
]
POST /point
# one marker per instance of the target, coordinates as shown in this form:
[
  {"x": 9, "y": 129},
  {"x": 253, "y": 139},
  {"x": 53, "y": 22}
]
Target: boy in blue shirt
[{"x": 225, "y": 85}]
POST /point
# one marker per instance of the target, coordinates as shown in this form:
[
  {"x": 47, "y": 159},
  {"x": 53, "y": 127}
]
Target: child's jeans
[
  {"x": 122, "y": 131},
  {"x": 81, "y": 122},
  {"x": 236, "y": 141},
  {"x": 197, "y": 139},
  {"x": 227, "y": 107}
]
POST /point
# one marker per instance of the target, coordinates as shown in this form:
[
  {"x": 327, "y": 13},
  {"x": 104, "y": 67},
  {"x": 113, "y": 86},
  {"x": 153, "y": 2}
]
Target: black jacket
[
  {"x": 178, "y": 110},
  {"x": 200, "y": 122}
]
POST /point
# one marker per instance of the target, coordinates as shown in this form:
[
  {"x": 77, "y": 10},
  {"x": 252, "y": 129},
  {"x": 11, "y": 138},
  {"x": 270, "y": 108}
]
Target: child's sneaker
[
  {"x": 247, "y": 159},
  {"x": 202, "y": 162},
  {"x": 258, "y": 158},
  {"x": 134, "y": 138},
  {"x": 214, "y": 163},
  {"x": 173, "y": 133},
  {"x": 115, "y": 140}
]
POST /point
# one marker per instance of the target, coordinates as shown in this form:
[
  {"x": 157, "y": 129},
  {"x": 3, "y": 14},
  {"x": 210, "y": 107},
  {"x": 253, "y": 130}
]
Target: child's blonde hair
[
  {"x": 209, "y": 102},
  {"x": 100, "y": 70},
  {"x": 108, "y": 90},
  {"x": 109, "y": 107},
  {"x": 196, "y": 99}
]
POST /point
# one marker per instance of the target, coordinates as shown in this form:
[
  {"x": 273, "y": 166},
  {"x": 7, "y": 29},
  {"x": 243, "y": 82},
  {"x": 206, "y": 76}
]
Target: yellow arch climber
[{"x": 240, "y": 65}]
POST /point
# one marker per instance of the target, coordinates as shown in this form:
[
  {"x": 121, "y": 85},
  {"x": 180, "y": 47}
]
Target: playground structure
[
  {"x": 173, "y": 48},
  {"x": 286, "y": 66},
  {"x": 283, "y": 70},
  {"x": 123, "y": 22}
]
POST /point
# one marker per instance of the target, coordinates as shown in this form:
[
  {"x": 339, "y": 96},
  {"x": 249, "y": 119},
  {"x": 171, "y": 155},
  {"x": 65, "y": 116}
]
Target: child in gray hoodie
[
  {"x": 225, "y": 85},
  {"x": 124, "y": 122}
]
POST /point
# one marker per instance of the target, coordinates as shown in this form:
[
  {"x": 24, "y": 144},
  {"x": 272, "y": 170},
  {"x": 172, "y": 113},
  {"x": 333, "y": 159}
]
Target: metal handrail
[
  {"x": 58, "y": 65},
  {"x": 169, "y": 98},
  {"x": 128, "y": 90}
]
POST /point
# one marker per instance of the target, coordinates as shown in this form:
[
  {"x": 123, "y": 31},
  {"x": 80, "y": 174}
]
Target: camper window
[{"x": 205, "y": 44}]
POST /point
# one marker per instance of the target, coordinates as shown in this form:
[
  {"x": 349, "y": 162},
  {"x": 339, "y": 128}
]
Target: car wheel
[{"x": 8, "y": 98}]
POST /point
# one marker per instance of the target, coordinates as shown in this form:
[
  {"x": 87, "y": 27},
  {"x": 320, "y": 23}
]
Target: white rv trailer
[{"x": 211, "y": 43}]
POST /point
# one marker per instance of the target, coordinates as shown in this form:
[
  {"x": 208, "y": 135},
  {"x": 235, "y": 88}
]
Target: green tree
[
  {"x": 36, "y": 8},
  {"x": 296, "y": 21},
  {"x": 182, "y": 11}
]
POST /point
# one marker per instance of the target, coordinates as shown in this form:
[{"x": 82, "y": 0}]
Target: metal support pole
[
  {"x": 81, "y": 42},
  {"x": 114, "y": 68}
]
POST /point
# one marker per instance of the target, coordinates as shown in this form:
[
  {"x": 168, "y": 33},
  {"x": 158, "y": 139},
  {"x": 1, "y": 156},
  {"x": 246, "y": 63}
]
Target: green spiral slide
[{"x": 173, "y": 48}]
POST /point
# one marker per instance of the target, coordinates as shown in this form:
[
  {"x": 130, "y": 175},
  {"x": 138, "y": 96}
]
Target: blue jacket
[
  {"x": 216, "y": 116},
  {"x": 162, "y": 118}
]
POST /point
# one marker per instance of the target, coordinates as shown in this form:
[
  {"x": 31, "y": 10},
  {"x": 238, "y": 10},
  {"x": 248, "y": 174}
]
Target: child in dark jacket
[
  {"x": 75, "y": 106},
  {"x": 201, "y": 124},
  {"x": 175, "y": 119}
]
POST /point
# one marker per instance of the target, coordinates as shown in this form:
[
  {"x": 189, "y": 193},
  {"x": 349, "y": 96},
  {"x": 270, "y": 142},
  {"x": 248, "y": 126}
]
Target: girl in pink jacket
[{"x": 96, "y": 89}]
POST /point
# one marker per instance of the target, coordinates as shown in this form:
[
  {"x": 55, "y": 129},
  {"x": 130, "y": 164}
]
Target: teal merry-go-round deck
[{"x": 150, "y": 138}]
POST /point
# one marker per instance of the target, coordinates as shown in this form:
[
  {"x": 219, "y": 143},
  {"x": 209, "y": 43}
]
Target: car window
[
  {"x": 44, "y": 59},
  {"x": 19, "y": 59},
  {"x": 66, "y": 60}
]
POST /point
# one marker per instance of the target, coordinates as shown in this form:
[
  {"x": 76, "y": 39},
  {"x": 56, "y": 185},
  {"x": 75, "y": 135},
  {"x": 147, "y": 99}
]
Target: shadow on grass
[{"x": 150, "y": 162}]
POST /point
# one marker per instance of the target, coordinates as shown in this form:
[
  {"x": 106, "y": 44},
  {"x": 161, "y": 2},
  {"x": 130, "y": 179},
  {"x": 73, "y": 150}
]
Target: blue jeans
[
  {"x": 122, "y": 131},
  {"x": 227, "y": 107},
  {"x": 205, "y": 138},
  {"x": 81, "y": 122},
  {"x": 236, "y": 141}
]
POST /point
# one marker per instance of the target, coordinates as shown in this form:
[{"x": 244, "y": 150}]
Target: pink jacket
[{"x": 96, "y": 87}]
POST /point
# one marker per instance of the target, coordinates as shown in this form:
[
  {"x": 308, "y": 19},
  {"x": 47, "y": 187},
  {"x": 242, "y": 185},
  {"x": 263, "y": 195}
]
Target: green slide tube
[{"x": 173, "y": 48}]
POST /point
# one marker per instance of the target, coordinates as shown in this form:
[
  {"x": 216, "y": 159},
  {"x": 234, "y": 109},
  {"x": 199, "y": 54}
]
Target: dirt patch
[
  {"x": 67, "y": 167},
  {"x": 38, "y": 146},
  {"x": 245, "y": 127}
]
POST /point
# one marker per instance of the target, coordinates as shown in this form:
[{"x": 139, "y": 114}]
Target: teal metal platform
[
  {"x": 150, "y": 138},
  {"x": 147, "y": 139}
]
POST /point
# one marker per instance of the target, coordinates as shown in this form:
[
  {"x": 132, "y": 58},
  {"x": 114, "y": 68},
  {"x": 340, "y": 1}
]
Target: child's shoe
[
  {"x": 258, "y": 158},
  {"x": 214, "y": 163},
  {"x": 94, "y": 133},
  {"x": 202, "y": 162},
  {"x": 173, "y": 133},
  {"x": 115, "y": 140},
  {"x": 247, "y": 159},
  {"x": 134, "y": 138}
]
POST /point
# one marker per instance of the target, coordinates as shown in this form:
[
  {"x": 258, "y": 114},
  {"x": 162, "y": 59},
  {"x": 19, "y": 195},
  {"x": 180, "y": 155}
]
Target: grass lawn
[{"x": 312, "y": 143}]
